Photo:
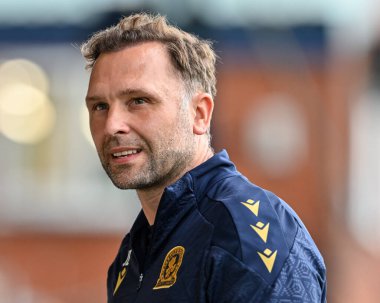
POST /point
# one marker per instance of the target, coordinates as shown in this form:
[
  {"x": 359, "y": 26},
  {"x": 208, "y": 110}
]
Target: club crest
[{"x": 170, "y": 267}]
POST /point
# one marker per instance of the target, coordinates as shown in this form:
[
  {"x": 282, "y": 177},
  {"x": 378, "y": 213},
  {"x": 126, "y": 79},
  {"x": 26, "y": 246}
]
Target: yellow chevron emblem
[
  {"x": 252, "y": 206},
  {"x": 262, "y": 230},
  {"x": 122, "y": 272},
  {"x": 120, "y": 279},
  {"x": 268, "y": 258}
]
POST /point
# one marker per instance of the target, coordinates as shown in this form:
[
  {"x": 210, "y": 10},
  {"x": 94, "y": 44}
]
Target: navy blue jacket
[{"x": 218, "y": 238}]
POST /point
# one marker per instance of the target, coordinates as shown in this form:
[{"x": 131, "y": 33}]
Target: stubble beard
[
  {"x": 161, "y": 169},
  {"x": 167, "y": 160}
]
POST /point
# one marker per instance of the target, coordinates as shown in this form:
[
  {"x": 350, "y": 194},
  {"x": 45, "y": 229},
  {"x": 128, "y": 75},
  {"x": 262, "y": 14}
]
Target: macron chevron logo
[
  {"x": 262, "y": 230},
  {"x": 268, "y": 257},
  {"x": 252, "y": 206}
]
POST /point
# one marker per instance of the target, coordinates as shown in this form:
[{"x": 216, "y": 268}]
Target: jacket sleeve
[
  {"x": 301, "y": 278},
  {"x": 230, "y": 281}
]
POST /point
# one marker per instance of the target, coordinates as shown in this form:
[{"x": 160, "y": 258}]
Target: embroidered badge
[{"x": 170, "y": 267}]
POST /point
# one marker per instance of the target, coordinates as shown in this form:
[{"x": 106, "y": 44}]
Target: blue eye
[
  {"x": 100, "y": 106},
  {"x": 139, "y": 101}
]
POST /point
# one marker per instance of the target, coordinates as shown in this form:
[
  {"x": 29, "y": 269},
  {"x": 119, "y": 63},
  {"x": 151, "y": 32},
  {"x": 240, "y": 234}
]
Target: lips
[{"x": 125, "y": 153}]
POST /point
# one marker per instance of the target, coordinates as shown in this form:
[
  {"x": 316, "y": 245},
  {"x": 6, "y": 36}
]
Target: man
[{"x": 205, "y": 233}]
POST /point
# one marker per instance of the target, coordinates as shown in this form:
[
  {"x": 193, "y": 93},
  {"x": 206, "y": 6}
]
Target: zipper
[
  {"x": 147, "y": 254},
  {"x": 140, "y": 280}
]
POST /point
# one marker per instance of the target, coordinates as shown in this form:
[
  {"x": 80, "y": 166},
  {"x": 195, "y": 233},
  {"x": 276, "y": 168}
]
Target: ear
[{"x": 203, "y": 106}]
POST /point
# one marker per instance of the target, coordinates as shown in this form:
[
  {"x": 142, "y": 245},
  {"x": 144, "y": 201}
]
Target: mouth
[{"x": 125, "y": 153}]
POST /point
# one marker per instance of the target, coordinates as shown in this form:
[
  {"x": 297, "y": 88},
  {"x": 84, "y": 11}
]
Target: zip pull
[
  {"x": 126, "y": 263},
  {"x": 140, "y": 280}
]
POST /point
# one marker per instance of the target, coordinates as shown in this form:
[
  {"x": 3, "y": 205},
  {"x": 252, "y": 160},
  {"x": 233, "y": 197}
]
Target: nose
[{"x": 117, "y": 121}]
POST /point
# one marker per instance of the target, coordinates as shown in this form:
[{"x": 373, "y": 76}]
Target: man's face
[{"x": 141, "y": 129}]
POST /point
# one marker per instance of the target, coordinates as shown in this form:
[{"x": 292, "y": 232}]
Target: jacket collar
[
  {"x": 182, "y": 196},
  {"x": 210, "y": 172}
]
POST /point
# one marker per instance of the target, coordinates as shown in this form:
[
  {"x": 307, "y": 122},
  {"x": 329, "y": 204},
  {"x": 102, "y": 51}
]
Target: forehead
[
  {"x": 147, "y": 62},
  {"x": 143, "y": 56}
]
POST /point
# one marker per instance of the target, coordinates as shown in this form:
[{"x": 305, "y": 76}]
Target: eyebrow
[
  {"x": 94, "y": 98},
  {"x": 121, "y": 93},
  {"x": 137, "y": 91}
]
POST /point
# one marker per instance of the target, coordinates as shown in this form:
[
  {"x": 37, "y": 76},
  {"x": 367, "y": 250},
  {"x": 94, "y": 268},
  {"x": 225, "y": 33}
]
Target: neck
[{"x": 150, "y": 197}]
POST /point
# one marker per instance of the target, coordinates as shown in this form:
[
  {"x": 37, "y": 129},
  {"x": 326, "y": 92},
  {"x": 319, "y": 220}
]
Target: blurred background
[{"x": 298, "y": 110}]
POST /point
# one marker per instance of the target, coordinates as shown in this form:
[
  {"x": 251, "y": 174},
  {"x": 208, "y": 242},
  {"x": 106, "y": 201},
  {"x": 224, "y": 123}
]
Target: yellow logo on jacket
[
  {"x": 262, "y": 230},
  {"x": 170, "y": 267},
  {"x": 123, "y": 272},
  {"x": 253, "y": 206},
  {"x": 268, "y": 258}
]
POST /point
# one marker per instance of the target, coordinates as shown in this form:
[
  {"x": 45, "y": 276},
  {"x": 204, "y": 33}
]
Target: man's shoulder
[{"x": 261, "y": 225}]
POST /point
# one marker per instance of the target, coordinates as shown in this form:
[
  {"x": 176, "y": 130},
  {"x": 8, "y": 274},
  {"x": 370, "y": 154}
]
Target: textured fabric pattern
[{"x": 298, "y": 280}]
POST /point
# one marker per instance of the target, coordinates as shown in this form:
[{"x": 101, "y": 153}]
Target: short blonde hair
[{"x": 193, "y": 57}]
